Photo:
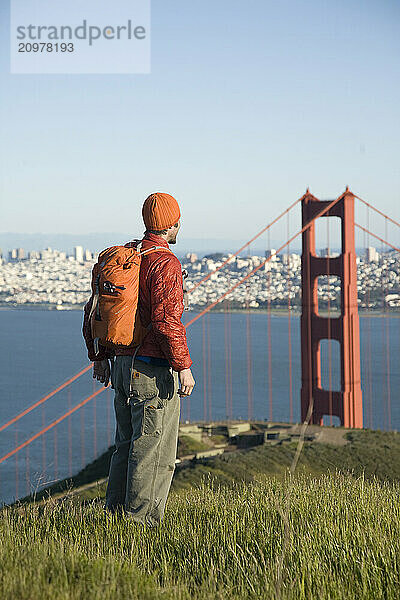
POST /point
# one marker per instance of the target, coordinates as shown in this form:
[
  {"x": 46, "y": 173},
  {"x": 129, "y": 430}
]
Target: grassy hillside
[
  {"x": 236, "y": 527},
  {"x": 341, "y": 541},
  {"x": 372, "y": 453}
]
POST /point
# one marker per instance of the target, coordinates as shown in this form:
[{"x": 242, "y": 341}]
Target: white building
[
  {"x": 46, "y": 254},
  {"x": 371, "y": 255},
  {"x": 271, "y": 253},
  {"x": 78, "y": 253},
  {"x": 293, "y": 260},
  {"x": 191, "y": 257}
]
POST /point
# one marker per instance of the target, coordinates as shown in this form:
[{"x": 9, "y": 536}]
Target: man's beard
[{"x": 173, "y": 241}]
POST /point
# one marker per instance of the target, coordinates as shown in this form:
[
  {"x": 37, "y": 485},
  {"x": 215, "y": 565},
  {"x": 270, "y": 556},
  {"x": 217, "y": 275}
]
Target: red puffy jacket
[{"x": 160, "y": 303}]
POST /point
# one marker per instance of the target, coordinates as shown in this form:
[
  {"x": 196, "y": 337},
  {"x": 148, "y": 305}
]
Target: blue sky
[{"x": 247, "y": 104}]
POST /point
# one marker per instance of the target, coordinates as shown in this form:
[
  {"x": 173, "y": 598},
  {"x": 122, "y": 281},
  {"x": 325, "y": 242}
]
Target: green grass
[
  {"x": 369, "y": 453},
  {"x": 216, "y": 542},
  {"x": 224, "y": 532},
  {"x": 188, "y": 445}
]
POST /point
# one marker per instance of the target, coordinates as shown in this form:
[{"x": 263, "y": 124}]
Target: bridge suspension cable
[
  {"x": 377, "y": 210},
  {"x": 263, "y": 230},
  {"x": 377, "y": 237},
  {"x": 45, "y": 398},
  {"x": 246, "y": 277},
  {"x": 52, "y": 424}
]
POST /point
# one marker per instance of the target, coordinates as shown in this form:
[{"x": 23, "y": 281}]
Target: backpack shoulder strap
[{"x": 152, "y": 249}]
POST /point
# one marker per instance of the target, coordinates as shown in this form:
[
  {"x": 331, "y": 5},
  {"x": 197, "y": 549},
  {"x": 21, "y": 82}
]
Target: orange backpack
[{"x": 114, "y": 318}]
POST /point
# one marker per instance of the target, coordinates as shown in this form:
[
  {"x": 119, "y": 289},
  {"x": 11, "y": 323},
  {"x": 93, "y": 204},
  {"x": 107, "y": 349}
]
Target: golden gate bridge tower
[{"x": 346, "y": 403}]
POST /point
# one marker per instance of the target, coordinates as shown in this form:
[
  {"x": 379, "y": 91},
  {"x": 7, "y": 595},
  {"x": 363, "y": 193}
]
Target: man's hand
[
  {"x": 187, "y": 382},
  {"x": 101, "y": 371}
]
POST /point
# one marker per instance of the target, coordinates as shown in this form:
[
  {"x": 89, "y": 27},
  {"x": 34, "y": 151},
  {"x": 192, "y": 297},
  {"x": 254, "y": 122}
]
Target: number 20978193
[{"x": 45, "y": 47}]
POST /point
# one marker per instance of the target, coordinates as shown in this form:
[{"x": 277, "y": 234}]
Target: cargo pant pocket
[{"x": 153, "y": 413}]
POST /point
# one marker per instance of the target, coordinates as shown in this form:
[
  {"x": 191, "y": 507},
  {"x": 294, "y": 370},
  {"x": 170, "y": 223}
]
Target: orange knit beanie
[{"x": 160, "y": 211}]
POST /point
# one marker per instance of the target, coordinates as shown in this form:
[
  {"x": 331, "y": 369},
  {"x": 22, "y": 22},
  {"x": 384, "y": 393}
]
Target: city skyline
[
  {"x": 53, "y": 279},
  {"x": 21, "y": 253}
]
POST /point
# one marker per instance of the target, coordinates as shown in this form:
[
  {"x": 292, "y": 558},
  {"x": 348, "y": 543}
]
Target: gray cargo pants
[{"x": 147, "y": 412}]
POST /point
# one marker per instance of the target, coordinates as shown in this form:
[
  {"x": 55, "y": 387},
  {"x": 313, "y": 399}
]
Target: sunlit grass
[{"x": 216, "y": 542}]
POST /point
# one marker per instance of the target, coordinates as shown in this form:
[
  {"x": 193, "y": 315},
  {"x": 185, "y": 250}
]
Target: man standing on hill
[{"x": 148, "y": 386}]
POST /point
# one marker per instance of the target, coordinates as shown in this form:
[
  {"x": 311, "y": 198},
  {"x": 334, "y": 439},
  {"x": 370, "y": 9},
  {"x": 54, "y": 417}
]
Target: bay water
[{"x": 41, "y": 349}]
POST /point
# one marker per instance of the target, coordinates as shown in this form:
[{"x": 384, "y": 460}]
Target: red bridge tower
[{"x": 346, "y": 403}]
